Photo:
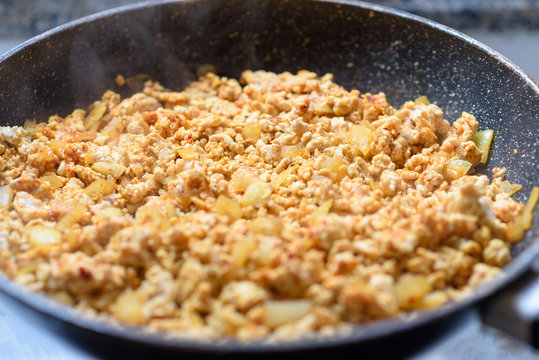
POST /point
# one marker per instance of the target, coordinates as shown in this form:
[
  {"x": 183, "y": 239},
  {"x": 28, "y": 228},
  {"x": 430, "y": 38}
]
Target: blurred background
[{"x": 509, "y": 26}]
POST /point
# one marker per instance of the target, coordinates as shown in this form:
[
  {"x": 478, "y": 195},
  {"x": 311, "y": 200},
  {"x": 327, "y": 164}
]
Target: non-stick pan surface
[{"x": 367, "y": 47}]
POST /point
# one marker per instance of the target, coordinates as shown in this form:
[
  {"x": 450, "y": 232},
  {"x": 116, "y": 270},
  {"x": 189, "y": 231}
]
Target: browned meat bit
[{"x": 272, "y": 207}]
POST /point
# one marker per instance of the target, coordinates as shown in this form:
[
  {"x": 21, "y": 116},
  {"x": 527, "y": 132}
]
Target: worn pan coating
[{"x": 368, "y": 47}]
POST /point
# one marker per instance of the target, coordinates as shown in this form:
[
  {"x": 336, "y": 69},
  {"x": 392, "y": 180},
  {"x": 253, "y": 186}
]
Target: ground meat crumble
[{"x": 271, "y": 206}]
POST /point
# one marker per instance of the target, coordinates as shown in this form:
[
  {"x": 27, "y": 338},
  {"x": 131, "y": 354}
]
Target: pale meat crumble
[{"x": 271, "y": 207}]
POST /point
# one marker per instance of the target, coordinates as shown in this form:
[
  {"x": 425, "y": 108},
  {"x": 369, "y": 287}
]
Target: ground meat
[{"x": 272, "y": 206}]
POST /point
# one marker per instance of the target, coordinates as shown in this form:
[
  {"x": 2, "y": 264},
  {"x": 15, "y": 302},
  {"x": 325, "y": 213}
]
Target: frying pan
[{"x": 368, "y": 47}]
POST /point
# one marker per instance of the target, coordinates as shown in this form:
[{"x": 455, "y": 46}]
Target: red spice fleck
[{"x": 85, "y": 273}]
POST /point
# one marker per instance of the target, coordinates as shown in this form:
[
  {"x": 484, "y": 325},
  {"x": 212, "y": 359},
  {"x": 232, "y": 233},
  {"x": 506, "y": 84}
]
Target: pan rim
[{"x": 360, "y": 332}]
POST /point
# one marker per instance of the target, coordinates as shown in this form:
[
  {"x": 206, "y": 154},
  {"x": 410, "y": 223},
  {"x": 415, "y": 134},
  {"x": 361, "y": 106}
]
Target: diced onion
[
  {"x": 54, "y": 181},
  {"x": 422, "y": 100},
  {"x": 182, "y": 199},
  {"x": 226, "y": 206},
  {"x": 457, "y": 168},
  {"x": 266, "y": 226},
  {"x": 510, "y": 189},
  {"x": 188, "y": 152},
  {"x": 40, "y": 235},
  {"x": 99, "y": 188},
  {"x": 321, "y": 212},
  {"x": 360, "y": 138},
  {"x": 483, "y": 139},
  {"x": 29, "y": 125},
  {"x": 44, "y": 156},
  {"x": 291, "y": 151},
  {"x": 251, "y": 132},
  {"x": 91, "y": 122},
  {"x": 129, "y": 307},
  {"x": 336, "y": 166},
  {"x": 241, "y": 251},
  {"x": 109, "y": 212},
  {"x": 523, "y": 223},
  {"x": 281, "y": 178},
  {"x": 373, "y": 184},
  {"x": 33, "y": 129},
  {"x": 119, "y": 80},
  {"x": 410, "y": 290},
  {"x": 167, "y": 180},
  {"x": 239, "y": 184},
  {"x": 527, "y": 216},
  {"x": 6, "y": 196},
  {"x": 107, "y": 168},
  {"x": 256, "y": 193},
  {"x": 158, "y": 217},
  {"x": 170, "y": 208},
  {"x": 27, "y": 269},
  {"x": 58, "y": 145},
  {"x": 280, "y": 312},
  {"x": 64, "y": 297},
  {"x": 73, "y": 216},
  {"x": 434, "y": 299}
]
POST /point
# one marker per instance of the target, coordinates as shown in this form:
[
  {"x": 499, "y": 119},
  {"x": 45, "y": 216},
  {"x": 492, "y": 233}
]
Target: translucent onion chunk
[
  {"x": 457, "y": 168},
  {"x": 483, "y": 139},
  {"x": 280, "y": 312}
]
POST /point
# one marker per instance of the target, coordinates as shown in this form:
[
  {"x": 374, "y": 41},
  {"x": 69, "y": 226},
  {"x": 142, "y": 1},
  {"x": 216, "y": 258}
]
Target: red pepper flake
[{"x": 85, "y": 273}]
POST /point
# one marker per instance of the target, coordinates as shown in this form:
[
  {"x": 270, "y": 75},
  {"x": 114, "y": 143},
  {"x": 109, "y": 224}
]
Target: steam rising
[{"x": 170, "y": 47}]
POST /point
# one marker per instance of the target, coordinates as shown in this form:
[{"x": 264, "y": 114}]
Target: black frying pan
[{"x": 367, "y": 47}]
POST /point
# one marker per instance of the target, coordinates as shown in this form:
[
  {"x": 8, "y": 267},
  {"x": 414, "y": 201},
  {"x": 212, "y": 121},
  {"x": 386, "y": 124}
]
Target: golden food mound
[{"x": 275, "y": 206}]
